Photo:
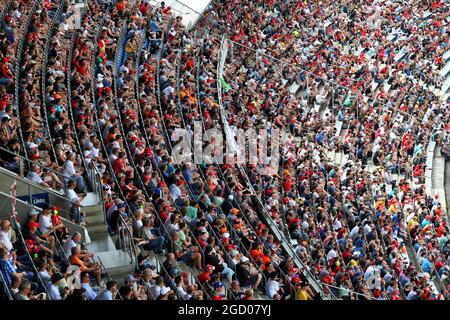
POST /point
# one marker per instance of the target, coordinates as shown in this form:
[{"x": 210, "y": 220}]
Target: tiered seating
[
  {"x": 349, "y": 207},
  {"x": 359, "y": 110}
]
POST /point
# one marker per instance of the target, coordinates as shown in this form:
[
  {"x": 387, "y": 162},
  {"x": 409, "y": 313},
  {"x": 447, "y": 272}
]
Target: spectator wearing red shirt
[
  {"x": 205, "y": 275},
  {"x": 119, "y": 164}
]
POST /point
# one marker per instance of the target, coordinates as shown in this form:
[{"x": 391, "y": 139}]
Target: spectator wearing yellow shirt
[{"x": 302, "y": 293}]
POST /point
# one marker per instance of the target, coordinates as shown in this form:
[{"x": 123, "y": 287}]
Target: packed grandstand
[{"x": 96, "y": 97}]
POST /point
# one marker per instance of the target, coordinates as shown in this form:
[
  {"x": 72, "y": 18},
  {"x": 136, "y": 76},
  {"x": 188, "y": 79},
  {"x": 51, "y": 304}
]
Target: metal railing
[
  {"x": 269, "y": 221},
  {"x": 19, "y": 53},
  {"x": 34, "y": 184},
  {"x": 4, "y": 12},
  {"x": 44, "y": 71},
  {"x": 125, "y": 239},
  {"x": 5, "y": 287},
  {"x": 16, "y": 226}
]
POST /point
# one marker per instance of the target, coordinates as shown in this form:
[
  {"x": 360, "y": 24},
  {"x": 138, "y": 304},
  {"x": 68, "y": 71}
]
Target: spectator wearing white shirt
[
  {"x": 35, "y": 174},
  {"x": 158, "y": 289},
  {"x": 70, "y": 172},
  {"x": 75, "y": 241},
  {"x": 273, "y": 286},
  {"x": 174, "y": 189},
  {"x": 71, "y": 195},
  {"x": 4, "y": 237}
]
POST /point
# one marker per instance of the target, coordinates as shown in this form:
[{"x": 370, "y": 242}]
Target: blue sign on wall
[{"x": 39, "y": 199}]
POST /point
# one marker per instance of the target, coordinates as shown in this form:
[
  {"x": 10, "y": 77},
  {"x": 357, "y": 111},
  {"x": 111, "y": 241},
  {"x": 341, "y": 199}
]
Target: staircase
[
  {"x": 117, "y": 262},
  {"x": 445, "y": 75},
  {"x": 438, "y": 178}
]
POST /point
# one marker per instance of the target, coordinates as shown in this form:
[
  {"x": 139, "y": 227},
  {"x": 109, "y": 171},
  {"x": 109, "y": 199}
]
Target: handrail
[
  {"x": 5, "y": 10},
  {"x": 19, "y": 52},
  {"x": 50, "y": 33},
  {"x": 169, "y": 144},
  {"x": 126, "y": 244},
  {"x": 98, "y": 131},
  {"x": 6, "y": 289},
  {"x": 69, "y": 105},
  {"x": 29, "y": 161},
  {"x": 22, "y": 242},
  {"x": 269, "y": 221},
  {"x": 60, "y": 250},
  {"x": 108, "y": 275},
  {"x": 30, "y": 183},
  {"x": 89, "y": 168},
  {"x": 280, "y": 271}
]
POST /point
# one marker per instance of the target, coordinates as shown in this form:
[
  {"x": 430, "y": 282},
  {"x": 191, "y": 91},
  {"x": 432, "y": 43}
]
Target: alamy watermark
[{"x": 260, "y": 147}]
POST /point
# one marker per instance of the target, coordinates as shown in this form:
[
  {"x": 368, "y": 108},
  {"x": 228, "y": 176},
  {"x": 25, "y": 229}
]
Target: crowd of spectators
[
  {"x": 353, "y": 86},
  {"x": 352, "y": 219}
]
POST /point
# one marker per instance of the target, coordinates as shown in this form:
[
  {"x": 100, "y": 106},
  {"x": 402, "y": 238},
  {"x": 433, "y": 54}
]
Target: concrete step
[
  {"x": 91, "y": 199},
  {"x": 98, "y": 228},
  {"x": 100, "y": 242},
  {"x": 116, "y": 262},
  {"x": 94, "y": 220},
  {"x": 91, "y": 204}
]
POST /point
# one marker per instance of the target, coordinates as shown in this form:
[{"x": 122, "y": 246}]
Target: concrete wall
[
  {"x": 26, "y": 187},
  {"x": 22, "y": 209}
]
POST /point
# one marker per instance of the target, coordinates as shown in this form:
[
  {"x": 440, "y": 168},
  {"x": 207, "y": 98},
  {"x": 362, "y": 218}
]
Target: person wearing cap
[
  {"x": 232, "y": 215},
  {"x": 227, "y": 205},
  {"x": 138, "y": 291},
  {"x": 53, "y": 287},
  {"x": 85, "y": 284},
  {"x": 114, "y": 219},
  {"x": 205, "y": 275},
  {"x": 43, "y": 244},
  {"x": 247, "y": 275},
  {"x": 219, "y": 293}
]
